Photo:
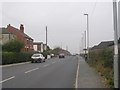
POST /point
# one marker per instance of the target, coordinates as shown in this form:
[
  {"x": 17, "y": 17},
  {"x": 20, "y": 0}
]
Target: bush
[
  {"x": 13, "y": 57},
  {"x": 13, "y": 46}
]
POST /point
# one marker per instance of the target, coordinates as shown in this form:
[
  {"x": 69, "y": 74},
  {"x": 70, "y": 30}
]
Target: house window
[{"x": 27, "y": 41}]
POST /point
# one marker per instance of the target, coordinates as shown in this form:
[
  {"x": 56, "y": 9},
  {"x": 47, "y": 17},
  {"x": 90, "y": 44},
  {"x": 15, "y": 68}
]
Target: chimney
[
  {"x": 21, "y": 28},
  {"x": 8, "y": 25}
]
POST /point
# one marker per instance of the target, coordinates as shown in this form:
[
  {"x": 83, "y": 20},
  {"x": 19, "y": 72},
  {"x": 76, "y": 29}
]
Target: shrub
[{"x": 13, "y": 46}]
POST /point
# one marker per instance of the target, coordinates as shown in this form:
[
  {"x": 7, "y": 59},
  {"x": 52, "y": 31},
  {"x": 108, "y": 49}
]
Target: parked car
[
  {"x": 61, "y": 55},
  {"x": 52, "y": 55},
  {"x": 37, "y": 58}
]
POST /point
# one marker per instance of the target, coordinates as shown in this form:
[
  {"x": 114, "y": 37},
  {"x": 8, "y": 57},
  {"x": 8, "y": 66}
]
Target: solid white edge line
[
  {"x": 31, "y": 70},
  {"x": 77, "y": 75},
  {"x": 7, "y": 79}
]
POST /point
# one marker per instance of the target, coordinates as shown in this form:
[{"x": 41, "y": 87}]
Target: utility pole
[
  {"x": 85, "y": 44},
  {"x": 116, "y": 71},
  {"x": 46, "y": 37},
  {"x": 87, "y": 35}
]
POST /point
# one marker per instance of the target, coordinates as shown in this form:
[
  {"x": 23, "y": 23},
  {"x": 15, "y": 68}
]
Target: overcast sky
[{"x": 66, "y": 21}]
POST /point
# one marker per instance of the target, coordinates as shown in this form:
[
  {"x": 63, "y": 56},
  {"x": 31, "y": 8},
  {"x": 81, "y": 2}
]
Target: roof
[
  {"x": 37, "y": 43},
  {"x": 105, "y": 44},
  {"x": 25, "y": 35},
  {"x": 4, "y": 31}
]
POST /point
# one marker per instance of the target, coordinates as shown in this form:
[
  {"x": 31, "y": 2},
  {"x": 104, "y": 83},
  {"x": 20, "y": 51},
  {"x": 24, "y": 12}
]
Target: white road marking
[
  {"x": 13, "y": 64},
  {"x": 31, "y": 70},
  {"x": 77, "y": 75},
  {"x": 53, "y": 62},
  {"x": 7, "y": 79},
  {"x": 46, "y": 65}
]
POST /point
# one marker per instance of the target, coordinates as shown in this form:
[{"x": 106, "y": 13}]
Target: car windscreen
[{"x": 36, "y": 55}]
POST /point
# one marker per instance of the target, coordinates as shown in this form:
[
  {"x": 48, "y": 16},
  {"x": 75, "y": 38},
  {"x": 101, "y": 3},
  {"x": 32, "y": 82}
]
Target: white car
[
  {"x": 37, "y": 58},
  {"x": 61, "y": 55}
]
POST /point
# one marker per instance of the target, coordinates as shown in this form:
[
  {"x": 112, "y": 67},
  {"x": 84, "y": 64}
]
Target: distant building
[
  {"x": 13, "y": 33},
  {"x": 38, "y": 46},
  {"x": 105, "y": 44}
]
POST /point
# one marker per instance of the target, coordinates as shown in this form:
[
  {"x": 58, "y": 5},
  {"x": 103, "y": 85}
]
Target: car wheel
[
  {"x": 31, "y": 61},
  {"x": 40, "y": 61}
]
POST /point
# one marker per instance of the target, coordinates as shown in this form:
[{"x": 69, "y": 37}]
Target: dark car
[{"x": 61, "y": 55}]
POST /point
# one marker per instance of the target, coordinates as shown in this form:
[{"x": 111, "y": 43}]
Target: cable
[{"x": 93, "y": 8}]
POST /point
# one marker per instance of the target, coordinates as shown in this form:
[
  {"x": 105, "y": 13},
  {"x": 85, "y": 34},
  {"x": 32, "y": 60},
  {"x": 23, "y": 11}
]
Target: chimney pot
[{"x": 8, "y": 25}]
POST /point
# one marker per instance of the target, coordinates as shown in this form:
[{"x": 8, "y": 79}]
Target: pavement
[
  {"x": 68, "y": 72},
  {"x": 88, "y": 77}
]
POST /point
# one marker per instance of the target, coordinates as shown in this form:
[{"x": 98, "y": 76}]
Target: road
[{"x": 54, "y": 73}]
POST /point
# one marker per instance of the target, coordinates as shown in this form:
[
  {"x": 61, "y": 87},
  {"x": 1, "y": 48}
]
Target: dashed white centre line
[
  {"x": 53, "y": 62},
  {"x": 31, "y": 70},
  {"x": 7, "y": 79},
  {"x": 46, "y": 65}
]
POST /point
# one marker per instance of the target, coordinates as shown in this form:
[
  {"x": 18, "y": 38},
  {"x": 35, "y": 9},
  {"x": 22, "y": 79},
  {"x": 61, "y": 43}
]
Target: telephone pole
[{"x": 116, "y": 71}]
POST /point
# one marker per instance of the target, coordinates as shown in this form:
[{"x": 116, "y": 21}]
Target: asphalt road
[{"x": 54, "y": 73}]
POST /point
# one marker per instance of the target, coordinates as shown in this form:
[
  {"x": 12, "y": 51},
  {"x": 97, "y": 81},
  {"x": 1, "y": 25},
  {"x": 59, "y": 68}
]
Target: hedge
[
  {"x": 102, "y": 61},
  {"x": 13, "y": 57}
]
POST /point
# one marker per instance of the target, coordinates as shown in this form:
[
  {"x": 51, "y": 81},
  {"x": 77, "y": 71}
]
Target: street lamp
[
  {"x": 85, "y": 44},
  {"x": 87, "y": 35}
]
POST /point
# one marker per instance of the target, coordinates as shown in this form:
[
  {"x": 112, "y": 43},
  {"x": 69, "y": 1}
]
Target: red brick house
[{"x": 20, "y": 35}]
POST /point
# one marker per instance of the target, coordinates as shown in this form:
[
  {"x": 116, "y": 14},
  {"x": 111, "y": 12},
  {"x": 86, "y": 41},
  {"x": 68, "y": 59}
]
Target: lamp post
[
  {"x": 85, "y": 46},
  {"x": 87, "y": 35}
]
